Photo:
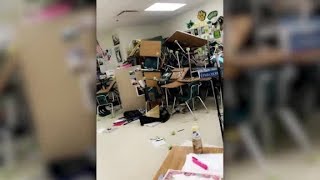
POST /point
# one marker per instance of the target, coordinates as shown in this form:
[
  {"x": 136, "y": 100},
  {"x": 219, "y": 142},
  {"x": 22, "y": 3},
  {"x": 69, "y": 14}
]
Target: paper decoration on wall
[
  {"x": 108, "y": 54},
  {"x": 190, "y": 24},
  {"x": 220, "y": 21},
  {"x": 217, "y": 34},
  {"x": 118, "y": 54},
  {"x": 115, "y": 39},
  {"x": 195, "y": 32},
  {"x": 212, "y": 14},
  {"x": 202, "y": 15},
  {"x": 202, "y": 30}
]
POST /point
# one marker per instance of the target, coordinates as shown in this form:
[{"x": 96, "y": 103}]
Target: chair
[
  {"x": 151, "y": 63},
  {"x": 151, "y": 95},
  {"x": 191, "y": 93},
  {"x": 102, "y": 101}
]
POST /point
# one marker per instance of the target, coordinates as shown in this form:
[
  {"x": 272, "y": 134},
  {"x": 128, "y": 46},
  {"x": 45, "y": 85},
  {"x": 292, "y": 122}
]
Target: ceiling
[{"x": 107, "y": 11}]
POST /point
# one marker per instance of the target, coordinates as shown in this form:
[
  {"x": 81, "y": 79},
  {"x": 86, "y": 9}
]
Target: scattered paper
[
  {"x": 213, "y": 161},
  {"x": 120, "y": 120},
  {"x": 101, "y": 130},
  {"x": 106, "y": 130},
  {"x": 153, "y": 124},
  {"x": 157, "y": 142}
]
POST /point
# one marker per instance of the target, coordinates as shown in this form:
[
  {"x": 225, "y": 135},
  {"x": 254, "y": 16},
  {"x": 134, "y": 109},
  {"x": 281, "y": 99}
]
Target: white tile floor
[
  {"x": 127, "y": 151},
  {"x": 292, "y": 165}
]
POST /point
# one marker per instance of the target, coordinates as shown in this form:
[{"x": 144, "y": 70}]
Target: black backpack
[
  {"x": 164, "y": 117},
  {"x": 132, "y": 115}
]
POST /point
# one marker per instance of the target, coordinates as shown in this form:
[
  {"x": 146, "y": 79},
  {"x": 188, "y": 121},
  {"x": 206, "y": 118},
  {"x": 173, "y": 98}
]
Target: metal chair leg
[
  {"x": 174, "y": 103},
  {"x": 190, "y": 110},
  {"x": 193, "y": 104},
  {"x": 98, "y": 109},
  {"x": 203, "y": 103},
  {"x": 167, "y": 101},
  {"x": 146, "y": 106},
  {"x": 112, "y": 111}
]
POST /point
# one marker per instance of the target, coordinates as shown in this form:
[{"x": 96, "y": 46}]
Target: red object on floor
[{"x": 119, "y": 123}]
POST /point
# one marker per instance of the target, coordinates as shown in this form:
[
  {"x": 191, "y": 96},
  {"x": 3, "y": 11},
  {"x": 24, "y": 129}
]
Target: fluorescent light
[{"x": 164, "y": 7}]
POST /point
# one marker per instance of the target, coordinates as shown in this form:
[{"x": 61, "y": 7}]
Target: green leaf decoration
[
  {"x": 212, "y": 14},
  {"x": 190, "y": 24},
  {"x": 217, "y": 34}
]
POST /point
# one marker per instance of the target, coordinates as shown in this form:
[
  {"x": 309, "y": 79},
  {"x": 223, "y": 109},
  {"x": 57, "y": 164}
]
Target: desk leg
[
  {"x": 218, "y": 110},
  {"x": 214, "y": 94}
]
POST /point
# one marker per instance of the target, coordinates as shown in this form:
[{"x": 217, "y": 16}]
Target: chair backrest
[
  {"x": 102, "y": 99},
  {"x": 152, "y": 94},
  {"x": 194, "y": 90},
  {"x": 151, "y": 63}
]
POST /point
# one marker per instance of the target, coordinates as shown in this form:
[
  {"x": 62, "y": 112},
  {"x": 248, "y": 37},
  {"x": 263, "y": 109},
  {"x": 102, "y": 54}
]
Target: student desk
[
  {"x": 172, "y": 85},
  {"x": 177, "y": 156},
  {"x": 189, "y": 80},
  {"x": 179, "y": 73},
  {"x": 107, "y": 90}
]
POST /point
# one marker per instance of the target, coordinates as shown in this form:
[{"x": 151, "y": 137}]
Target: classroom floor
[
  {"x": 127, "y": 151},
  {"x": 292, "y": 165}
]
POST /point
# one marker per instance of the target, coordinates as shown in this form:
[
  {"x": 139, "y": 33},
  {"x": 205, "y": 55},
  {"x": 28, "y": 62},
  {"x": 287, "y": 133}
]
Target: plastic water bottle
[{"x": 196, "y": 140}]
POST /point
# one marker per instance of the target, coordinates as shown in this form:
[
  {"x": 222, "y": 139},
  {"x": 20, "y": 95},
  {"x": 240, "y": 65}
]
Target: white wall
[
  {"x": 165, "y": 28},
  {"x": 105, "y": 41},
  {"x": 126, "y": 35},
  {"x": 180, "y": 22}
]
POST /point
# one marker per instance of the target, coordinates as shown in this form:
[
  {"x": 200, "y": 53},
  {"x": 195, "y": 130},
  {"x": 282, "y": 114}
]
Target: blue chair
[
  {"x": 190, "y": 94},
  {"x": 102, "y": 101}
]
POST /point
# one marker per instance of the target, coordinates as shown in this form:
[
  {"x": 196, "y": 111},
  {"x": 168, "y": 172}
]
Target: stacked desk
[{"x": 107, "y": 90}]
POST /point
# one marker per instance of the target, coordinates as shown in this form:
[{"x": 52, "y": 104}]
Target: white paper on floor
[
  {"x": 106, "y": 130},
  {"x": 157, "y": 142},
  {"x": 213, "y": 161},
  {"x": 153, "y": 124}
]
